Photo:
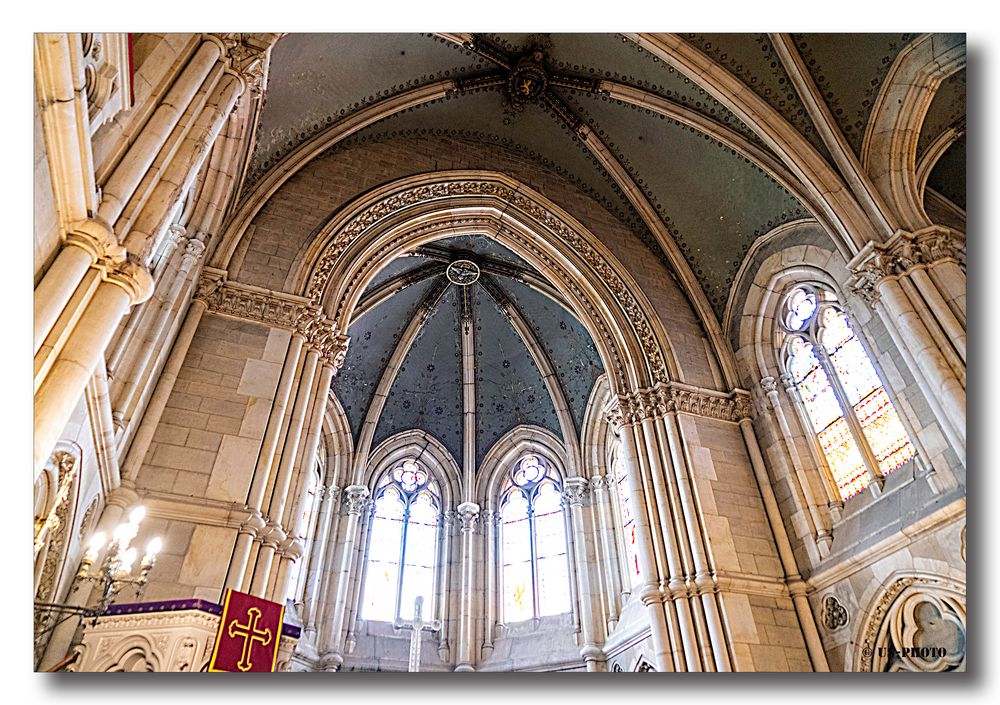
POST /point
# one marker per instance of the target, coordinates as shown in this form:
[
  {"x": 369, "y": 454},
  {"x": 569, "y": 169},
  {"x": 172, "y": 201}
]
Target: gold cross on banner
[{"x": 250, "y": 634}]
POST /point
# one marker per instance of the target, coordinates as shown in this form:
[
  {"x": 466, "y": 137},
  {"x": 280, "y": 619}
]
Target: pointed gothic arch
[{"x": 390, "y": 220}]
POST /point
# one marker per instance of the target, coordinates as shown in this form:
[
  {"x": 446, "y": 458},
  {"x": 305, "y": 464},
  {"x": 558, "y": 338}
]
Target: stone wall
[{"x": 205, "y": 448}]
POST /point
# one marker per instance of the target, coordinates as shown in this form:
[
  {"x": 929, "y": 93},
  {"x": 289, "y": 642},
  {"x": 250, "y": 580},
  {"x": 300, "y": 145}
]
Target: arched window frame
[
  {"x": 530, "y": 490},
  {"x": 387, "y": 482},
  {"x": 618, "y": 482},
  {"x": 810, "y": 330}
]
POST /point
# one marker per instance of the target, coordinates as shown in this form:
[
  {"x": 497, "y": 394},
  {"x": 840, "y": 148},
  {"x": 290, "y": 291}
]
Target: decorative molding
[
  {"x": 275, "y": 309},
  {"x": 893, "y": 624},
  {"x": 900, "y": 255},
  {"x": 514, "y": 199},
  {"x": 676, "y": 397}
]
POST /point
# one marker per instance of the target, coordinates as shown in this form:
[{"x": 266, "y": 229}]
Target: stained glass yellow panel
[
  {"x": 844, "y": 458},
  {"x": 884, "y": 431}
]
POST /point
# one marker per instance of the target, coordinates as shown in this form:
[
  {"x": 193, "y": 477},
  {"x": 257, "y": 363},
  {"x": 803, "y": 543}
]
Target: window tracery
[
  {"x": 856, "y": 425},
  {"x": 402, "y": 544},
  {"x": 533, "y": 546}
]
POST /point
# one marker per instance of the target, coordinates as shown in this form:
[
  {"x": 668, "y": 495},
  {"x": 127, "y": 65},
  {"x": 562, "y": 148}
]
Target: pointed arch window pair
[
  {"x": 403, "y": 539},
  {"x": 402, "y": 544},
  {"x": 858, "y": 429}
]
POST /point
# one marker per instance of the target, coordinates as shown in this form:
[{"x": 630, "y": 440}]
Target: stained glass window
[
  {"x": 533, "y": 551},
  {"x": 856, "y": 424},
  {"x": 627, "y": 520},
  {"x": 402, "y": 545}
]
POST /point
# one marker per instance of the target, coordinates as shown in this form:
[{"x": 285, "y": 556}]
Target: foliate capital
[
  {"x": 194, "y": 249},
  {"x": 768, "y": 385},
  {"x": 900, "y": 254},
  {"x": 468, "y": 515},
  {"x": 355, "y": 499},
  {"x": 575, "y": 490}
]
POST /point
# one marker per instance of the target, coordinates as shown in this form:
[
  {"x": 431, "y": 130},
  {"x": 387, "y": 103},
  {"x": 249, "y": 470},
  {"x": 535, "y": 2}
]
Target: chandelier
[{"x": 116, "y": 570}]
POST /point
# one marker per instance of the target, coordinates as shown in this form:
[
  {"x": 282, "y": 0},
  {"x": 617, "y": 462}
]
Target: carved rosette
[{"x": 834, "y": 613}]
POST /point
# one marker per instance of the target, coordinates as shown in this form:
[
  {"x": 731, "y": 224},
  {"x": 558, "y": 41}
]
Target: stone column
[
  {"x": 262, "y": 470},
  {"x": 122, "y": 184},
  {"x": 355, "y": 501},
  {"x": 648, "y": 590},
  {"x": 317, "y": 563},
  {"x": 821, "y": 529},
  {"x": 359, "y": 573},
  {"x": 165, "y": 384},
  {"x": 883, "y": 278},
  {"x": 468, "y": 514},
  {"x": 612, "y": 576},
  {"x": 575, "y": 490},
  {"x": 444, "y": 584},
  {"x": 58, "y": 395},
  {"x": 704, "y": 578},
  {"x": 491, "y": 557},
  {"x": 141, "y": 315},
  {"x": 136, "y": 366},
  {"x": 89, "y": 242},
  {"x": 183, "y": 167},
  {"x": 689, "y": 625}
]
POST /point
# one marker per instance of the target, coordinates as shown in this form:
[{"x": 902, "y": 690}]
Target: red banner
[{"x": 249, "y": 632}]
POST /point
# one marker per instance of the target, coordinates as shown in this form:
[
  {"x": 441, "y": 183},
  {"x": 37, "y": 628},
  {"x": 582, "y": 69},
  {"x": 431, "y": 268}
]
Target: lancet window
[
  {"x": 626, "y": 520},
  {"x": 856, "y": 425},
  {"x": 402, "y": 544},
  {"x": 533, "y": 547}
]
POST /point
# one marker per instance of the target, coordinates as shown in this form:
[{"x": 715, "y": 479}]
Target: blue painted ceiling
[{"x": 426, "y": 394}]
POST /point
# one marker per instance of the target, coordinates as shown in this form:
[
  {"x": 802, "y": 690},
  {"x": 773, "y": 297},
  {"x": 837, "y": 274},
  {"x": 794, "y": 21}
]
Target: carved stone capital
[
  {"x": 247, "y": 53},
  {"x": 615, "y": 417},
  {"x": 599, "y": 483},
  {"x": 209, "y": 284},
  {"x": 768, "y": 385},
  {"x": 194, "y": 250},
  {"x": 575, "y": 491},
  {"x": 468, "y": 515},
  {"x": 355, "y": 499},
  {"x": 900, "y": 254}
]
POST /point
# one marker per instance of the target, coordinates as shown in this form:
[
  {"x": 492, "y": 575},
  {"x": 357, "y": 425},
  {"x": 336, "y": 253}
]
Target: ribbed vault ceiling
[
  {"x": 425, "y": 390},
  {"x": 714, "y": 200}
]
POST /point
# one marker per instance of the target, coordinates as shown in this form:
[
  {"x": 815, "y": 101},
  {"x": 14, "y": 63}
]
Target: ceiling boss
[{"x": 528, "y": 79}]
